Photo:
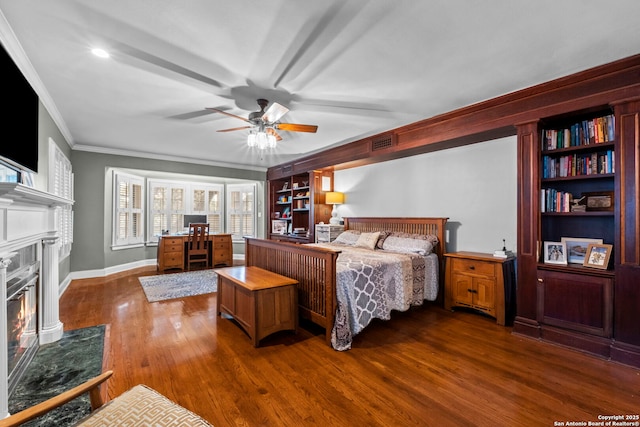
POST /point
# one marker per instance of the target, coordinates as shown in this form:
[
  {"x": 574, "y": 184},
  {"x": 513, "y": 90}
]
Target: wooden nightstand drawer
[{"x": 472, "y": 266}]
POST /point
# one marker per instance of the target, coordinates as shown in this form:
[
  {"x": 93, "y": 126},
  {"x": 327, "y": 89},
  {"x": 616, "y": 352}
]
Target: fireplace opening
[{"x": 22, "y": 319}]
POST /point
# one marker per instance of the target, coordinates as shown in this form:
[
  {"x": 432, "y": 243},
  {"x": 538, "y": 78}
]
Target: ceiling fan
[{"x": 265, "y": 123}]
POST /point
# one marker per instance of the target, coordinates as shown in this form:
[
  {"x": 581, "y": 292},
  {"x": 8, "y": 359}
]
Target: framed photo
[
  {"x": 278, "y": 226},
  {"x": 599, "y": 201},
  {"x": 555, "y": 253},
  {"x": 577, "y": 248},
  {"x": 598, "y": 256}
]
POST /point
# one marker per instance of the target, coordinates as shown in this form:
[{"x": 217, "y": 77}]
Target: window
[
  {"x": 241, "y": 211},
  {"x": 170, "y": 201},
  {"x": 207, "y": 199},
  {"x": 128, "y": 215},
  {"x": 60, "y": 183},
  {"x": 167, "y": 206}
]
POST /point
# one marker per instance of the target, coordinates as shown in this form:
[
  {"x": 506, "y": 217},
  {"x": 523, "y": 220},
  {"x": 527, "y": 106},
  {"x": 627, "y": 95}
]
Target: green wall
[{"x": 92, "y": 210}]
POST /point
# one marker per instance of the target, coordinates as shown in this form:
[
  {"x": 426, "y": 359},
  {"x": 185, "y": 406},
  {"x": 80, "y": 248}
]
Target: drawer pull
[
  {"x": 473, "y": 291},
  {"x": 472, "y": 267}
]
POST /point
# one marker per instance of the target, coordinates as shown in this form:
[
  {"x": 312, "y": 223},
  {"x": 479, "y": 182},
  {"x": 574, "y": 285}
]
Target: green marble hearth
[{"x": 57, "y": 367}]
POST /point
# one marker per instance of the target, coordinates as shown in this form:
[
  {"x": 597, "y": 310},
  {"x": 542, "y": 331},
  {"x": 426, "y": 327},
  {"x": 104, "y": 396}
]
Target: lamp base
[{"x": 334, "y": 216}]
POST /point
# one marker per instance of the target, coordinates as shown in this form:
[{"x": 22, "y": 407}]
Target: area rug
[
  {"x": 57, "y": 367},
  {"x": 179, "y": 285}
]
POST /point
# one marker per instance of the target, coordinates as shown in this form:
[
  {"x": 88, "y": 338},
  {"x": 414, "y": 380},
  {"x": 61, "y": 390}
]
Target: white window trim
[
  {"x": 228, "y": 212},
  {"x": 129, "y": 241}
]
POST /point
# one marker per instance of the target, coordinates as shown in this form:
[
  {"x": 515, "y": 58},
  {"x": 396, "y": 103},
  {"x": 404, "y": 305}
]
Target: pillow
[
  {"x": 348, "y": 237},
  {"x": 383, "y": 235},
  {"x": 430, "y": 237},
  {"x": 368, "y": 240},
  {"x": 407, "y": 245}
]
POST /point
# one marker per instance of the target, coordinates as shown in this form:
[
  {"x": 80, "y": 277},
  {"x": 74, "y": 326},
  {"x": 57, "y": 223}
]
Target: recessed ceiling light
[{"x": 101, "y": 53}]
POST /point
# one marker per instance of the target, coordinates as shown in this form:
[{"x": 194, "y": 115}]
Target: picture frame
[
  {"x": 555, "y": 253},
  {"x": 577, "y": 248},
  {"x": 598, "y": 256},
  {"x": 278, "y": 226},
  {"x": 599, "y": 201}
]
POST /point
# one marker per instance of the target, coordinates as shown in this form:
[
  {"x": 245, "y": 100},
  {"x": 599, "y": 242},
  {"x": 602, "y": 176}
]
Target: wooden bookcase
[
  {"x": 574, "y": 305},
  {"x": 296, "y": 203}
]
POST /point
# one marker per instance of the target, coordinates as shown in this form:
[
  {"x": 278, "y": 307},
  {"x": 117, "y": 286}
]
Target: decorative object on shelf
[
  {"x": 599, "y": 201},
  {"x": 278, "y": 226},
  {"x": 579, "y": 205},
  {"x": 598, "y": 255},
  {"x": 285, "y": 186},
  {"x": 577, "y": 248},
  {"x": 555, "y": 253},
  {"x": 503, "y": 253},
  {"x": 334, "y": 198}
]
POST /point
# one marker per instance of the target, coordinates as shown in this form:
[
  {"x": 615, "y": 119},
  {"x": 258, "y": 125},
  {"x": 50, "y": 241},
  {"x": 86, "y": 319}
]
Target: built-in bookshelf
[{"x": 296, "y": 204}]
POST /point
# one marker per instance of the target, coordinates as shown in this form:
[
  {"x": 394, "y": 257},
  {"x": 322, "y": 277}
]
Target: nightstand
[
  {"x": 481, "y": 282},
  {"x": 326, "y": 233}
]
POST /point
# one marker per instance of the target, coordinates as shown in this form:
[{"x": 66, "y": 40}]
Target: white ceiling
[{"x": 354, "y": 68}]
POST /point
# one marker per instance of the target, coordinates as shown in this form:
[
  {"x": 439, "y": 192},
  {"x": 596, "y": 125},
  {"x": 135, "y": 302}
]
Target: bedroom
[{"x": 471, "y": 208}]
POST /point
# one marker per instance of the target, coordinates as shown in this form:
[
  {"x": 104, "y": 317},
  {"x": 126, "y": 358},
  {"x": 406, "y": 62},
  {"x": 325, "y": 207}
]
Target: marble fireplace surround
[{"x": 27, "y": 217}]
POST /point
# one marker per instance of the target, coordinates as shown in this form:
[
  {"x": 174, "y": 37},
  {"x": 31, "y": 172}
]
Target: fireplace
[
  {"x": 22, "y": 307},
  {"x": 29, "y": 316}
]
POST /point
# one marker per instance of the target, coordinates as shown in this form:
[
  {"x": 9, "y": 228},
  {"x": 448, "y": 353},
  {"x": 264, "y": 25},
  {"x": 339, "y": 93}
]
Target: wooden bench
[{"x": 262, "y": 302}]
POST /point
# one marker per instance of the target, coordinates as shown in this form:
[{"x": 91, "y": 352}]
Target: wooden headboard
[{"x": 435, "y": 226}]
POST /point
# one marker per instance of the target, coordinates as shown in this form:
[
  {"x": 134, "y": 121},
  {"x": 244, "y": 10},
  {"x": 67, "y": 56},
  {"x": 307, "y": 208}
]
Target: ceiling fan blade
[
  {"x": 292, "y": 127},
  {"x": 273, "y": 132},
  {"x": 232, "y": 129},
  {"x": 227, "y": 114},
  {"x": 274, "y": 112}
]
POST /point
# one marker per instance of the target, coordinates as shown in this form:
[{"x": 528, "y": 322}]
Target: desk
[{"x": 172, "y": 251}]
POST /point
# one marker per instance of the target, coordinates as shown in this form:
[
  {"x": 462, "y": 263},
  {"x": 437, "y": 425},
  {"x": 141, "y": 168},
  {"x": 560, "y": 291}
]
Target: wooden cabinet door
[
  {"x": 576, "y": 302},
  {"x": 485, "y": 295},
  {"x": 462, "y": 289}
]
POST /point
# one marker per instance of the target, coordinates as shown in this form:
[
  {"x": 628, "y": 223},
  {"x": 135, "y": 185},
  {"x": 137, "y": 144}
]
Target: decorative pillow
[
  {"x": 348, "y": 237},
  {"x": 368, "y": 240},
  {"x": 430, "y": 237},
  {"x": 383, "y": 235},
  {"x": 407, "y": 245}
]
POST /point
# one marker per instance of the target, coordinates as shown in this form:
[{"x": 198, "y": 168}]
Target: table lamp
[{"x": 334, "y": 198}]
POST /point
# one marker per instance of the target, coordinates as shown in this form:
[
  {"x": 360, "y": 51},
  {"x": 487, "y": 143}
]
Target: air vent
[{"x": 382, "y": 143}]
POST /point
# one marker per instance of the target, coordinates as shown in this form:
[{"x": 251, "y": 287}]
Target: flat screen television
[
  {"x": 19, "y": 118},
  {"x": 193, "y": 219}
]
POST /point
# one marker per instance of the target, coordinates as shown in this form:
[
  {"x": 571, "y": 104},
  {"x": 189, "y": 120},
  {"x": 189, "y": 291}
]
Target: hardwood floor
[{"x": 424, "y": 367}]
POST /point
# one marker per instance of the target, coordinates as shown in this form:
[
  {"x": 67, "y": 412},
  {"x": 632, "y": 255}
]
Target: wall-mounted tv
[{"x": 19, "y": 118}]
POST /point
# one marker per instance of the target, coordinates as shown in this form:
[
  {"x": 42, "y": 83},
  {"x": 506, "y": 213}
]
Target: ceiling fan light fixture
[
  {"x": 261, "y": 139},
  {"x": 251, "y": 139}
]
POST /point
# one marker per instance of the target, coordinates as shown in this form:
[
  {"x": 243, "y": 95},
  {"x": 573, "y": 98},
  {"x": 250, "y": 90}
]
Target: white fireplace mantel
[
  {"x": 19, "y": 193},
  {"x": 27, "y": 217}
]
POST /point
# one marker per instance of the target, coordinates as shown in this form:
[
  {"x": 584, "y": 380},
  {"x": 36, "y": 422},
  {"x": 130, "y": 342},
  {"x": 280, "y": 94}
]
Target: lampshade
[{"x": 334, "y": 198}]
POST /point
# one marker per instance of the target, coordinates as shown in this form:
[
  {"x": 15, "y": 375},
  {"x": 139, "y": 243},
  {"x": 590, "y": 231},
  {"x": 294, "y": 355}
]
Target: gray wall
[
  {"x": 474, "y": 185},
  {"x": 92, "y": 211},
  {"x": 48, "y": 129}
]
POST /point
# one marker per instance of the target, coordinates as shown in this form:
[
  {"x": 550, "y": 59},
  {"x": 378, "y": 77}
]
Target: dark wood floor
[{"x": 425, "y": 367}]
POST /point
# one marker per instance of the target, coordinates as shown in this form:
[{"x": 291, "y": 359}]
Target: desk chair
[{"x": 198, "y": 244}]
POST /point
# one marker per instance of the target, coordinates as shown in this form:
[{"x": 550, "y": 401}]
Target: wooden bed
[{"x": 315, "y": 267}]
